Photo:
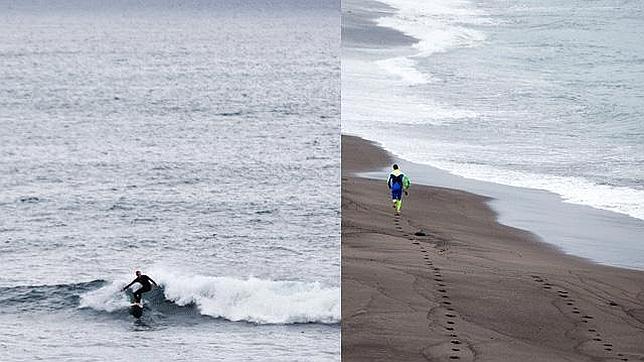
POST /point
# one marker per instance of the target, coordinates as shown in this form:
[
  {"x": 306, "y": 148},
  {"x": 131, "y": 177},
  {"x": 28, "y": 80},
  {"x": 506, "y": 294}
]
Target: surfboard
[{"x": 136, "y": 309}]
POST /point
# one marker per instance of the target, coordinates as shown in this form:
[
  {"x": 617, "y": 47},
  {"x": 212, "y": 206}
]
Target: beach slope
[{"x": 445, "y": 281}]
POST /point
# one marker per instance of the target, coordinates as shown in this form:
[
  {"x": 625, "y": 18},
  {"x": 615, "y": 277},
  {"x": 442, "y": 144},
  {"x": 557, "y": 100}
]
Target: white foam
[
  {"x": 368, "y": 96},
  {"x": 438, "y": 25},
  {"x": 405, "y": 69},
  {"x": 575, "y": 190},
  {"x": 253, "y": 300},
  {"x": 572, "y": 189},
  {"x": 109, "y": 298}
]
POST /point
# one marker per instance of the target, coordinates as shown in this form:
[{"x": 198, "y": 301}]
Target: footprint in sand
[{"x": 562, "y": 294}]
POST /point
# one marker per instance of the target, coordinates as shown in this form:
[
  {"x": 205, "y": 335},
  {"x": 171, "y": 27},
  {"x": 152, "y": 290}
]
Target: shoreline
[
  {"x": 598, "y": 236},
  {"x": 469, "y": 287},
  {"x": 567, "y": 217},
  {"x": 359, "y": 27}
]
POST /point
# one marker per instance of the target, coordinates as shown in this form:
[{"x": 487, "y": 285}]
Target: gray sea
[
  {"x": 543, "y": 99},
  {"x": 196, "y": 141}
]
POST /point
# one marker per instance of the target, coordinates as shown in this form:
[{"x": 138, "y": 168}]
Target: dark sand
[{"x": 470, "y": 288}]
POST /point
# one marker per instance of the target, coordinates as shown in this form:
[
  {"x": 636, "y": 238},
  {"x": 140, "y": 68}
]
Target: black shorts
[{"x": 143, "y": 289}]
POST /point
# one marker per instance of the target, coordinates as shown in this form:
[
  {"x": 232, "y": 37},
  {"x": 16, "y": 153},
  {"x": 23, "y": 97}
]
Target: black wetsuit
[{"x": 144, "y": 280}]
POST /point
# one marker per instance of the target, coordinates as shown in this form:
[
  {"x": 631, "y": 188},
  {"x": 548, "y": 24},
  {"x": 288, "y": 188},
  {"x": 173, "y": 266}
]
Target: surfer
[
  {"x": 398, "y": 183},
  {"x": 144, "y": 280}
]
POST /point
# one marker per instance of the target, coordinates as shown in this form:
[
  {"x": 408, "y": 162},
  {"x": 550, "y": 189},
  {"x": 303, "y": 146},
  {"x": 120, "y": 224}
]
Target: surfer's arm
[
  {"x": 129, "y": 285},
  {"x": 153, "y": 282}
]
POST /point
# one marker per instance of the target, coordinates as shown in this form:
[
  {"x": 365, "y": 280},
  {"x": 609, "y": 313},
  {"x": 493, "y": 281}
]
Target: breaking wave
[{"x": 251, "y": 300}]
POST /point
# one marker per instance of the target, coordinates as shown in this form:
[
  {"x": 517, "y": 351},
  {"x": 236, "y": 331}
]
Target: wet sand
[{"x": 445, "y": 281}]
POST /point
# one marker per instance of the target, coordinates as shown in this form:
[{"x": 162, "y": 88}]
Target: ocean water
[
  {"x": 545, "y": 96},
  {"x": 196, "y": 141}
]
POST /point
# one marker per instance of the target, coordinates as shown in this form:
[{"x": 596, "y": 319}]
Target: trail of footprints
[
  {"x": 579, "y": 315},
  {"x": 450, "y": 324}
]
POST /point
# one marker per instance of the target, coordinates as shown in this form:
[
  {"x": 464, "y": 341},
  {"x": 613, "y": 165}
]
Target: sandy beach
[{"x": 445, "y": 281}]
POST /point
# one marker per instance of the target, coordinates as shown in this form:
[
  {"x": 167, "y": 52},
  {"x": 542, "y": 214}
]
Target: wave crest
[
  {"x": 252, "y": 300},
  {"x": 256, "y": 300}
]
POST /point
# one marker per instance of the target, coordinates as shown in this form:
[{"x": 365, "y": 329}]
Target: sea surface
[
  {"x": 531, "y": 96},
  {"x": 196, "y": 141}
]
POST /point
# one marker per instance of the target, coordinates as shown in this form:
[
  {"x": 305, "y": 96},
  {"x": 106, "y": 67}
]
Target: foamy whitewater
[
  {"x": 240, "y": 300},
  {"x": 543, "y": 96},
  {"x": 196, "y": 141}
]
